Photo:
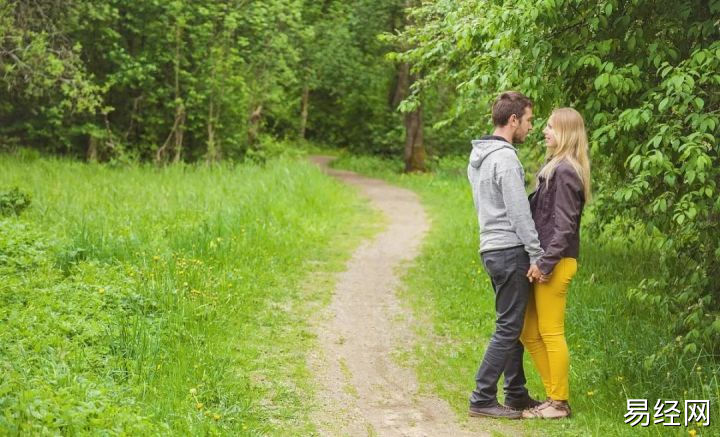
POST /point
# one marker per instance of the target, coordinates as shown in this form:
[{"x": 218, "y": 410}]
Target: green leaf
[
  {"x": 601, "y": 81},
  {"x": 690, "y": 348},
  {"x": 631, "y": 43},
  {"x": 716, "y": 325},
  {"x": 663, "y": 104},
  {"x": 690, "y": 176},
  {"x": 648, "y": 362}
]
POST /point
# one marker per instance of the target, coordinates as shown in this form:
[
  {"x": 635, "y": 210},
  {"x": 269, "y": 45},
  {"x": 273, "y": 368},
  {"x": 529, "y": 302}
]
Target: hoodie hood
[{"x": 484, "y": 147}]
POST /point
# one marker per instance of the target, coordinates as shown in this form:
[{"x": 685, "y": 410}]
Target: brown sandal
[{"x": 549, "y": 410}]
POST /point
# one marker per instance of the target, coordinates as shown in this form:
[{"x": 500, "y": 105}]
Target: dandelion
[
  {"x": 101, "y": 291},
  {"x": 692, "y": 432},
  {"x": 591, "y": 393},
  {"x": 199, "y": 405},
  {"x": 216, "y": 416}
]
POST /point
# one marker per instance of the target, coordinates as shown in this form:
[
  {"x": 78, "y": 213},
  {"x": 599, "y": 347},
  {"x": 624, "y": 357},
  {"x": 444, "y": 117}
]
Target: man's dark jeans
[{"x": 507, "y": 269}]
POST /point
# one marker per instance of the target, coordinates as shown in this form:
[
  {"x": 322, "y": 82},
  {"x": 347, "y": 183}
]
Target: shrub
[{"x": 13, "y": 201}]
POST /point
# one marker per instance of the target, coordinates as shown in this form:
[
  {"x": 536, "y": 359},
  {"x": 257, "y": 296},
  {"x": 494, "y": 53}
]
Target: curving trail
[{"x": 363, "y": 391}]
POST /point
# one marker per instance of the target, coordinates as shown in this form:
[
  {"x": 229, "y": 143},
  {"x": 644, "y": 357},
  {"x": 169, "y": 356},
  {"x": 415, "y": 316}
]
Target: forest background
[{"x": 179, "y": 81}]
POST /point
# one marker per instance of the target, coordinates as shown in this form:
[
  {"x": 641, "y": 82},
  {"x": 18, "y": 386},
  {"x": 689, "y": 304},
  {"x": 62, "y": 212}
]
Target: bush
[{"x": 13, "y": 202}]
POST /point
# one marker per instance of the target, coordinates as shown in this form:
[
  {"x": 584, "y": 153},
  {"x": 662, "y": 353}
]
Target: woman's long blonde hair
[{"x": 571, "y": 145}]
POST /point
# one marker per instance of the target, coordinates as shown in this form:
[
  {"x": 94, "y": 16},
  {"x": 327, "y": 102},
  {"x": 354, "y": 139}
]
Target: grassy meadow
[
  {"x": 610, "y": 338},
  {"x": 175, "y": 301}
]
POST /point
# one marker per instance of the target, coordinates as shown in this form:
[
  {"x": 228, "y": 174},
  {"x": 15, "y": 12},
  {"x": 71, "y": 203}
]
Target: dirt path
[{"x": 364, "y": 392}]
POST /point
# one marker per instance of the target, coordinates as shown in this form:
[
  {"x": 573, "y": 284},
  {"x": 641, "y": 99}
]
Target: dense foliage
[
  {"x": 646, "y": 75},
  {"x": 186, "y": 80}
]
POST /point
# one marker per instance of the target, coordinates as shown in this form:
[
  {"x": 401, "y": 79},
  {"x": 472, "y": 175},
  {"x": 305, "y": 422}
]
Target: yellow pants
[{"x": 543, "y": 334}]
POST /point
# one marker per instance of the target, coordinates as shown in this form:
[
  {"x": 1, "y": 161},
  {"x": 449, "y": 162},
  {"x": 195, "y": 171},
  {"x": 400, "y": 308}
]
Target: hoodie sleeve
[{"x": 511, "y": 183}]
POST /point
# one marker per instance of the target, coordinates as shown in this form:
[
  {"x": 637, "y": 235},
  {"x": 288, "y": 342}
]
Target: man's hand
[{"x": 534, "y": 274}]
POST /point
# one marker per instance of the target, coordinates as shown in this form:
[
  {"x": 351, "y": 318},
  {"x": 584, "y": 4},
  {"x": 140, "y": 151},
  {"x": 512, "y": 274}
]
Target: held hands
[{"x": 534, "y": 274}]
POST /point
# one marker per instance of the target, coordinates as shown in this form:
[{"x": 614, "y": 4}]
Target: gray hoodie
[{"x": 498, "y": 186}]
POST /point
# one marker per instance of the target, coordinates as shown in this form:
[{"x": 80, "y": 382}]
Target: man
[{"x": 509, "y": 248}]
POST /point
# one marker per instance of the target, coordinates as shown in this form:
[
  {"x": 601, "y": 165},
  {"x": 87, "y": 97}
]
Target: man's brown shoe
[
  {"x": 495, "y": 411},
  {"x": 523, "y": 404}
]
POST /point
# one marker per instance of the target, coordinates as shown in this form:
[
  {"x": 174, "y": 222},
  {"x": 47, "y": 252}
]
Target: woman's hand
[{"x": 534, "y": 274}]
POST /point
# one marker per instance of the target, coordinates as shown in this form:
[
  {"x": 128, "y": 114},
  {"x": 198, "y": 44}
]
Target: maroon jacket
[{"x": 556, "y": 209}]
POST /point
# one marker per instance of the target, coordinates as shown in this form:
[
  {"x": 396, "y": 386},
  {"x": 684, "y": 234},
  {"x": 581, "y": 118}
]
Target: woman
[{"x": 563, "y": 187}]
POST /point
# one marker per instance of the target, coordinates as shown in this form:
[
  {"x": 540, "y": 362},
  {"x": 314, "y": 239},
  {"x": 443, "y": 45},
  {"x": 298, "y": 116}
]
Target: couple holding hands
[{"x": 529, "y": 248}]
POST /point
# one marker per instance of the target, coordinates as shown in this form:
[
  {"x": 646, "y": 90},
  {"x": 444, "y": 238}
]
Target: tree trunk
[
  {"x": 211, "y": 152},
  {"x": 254, "y": 125},
  {"x": 414, "y": 147},
  {"x": 176, "y": 132},
  {"x": 180, "y": 109},
  {"x": 92, "y": 150},
  {"x": 402, "y": 85},
  {"x": 304, "y": 111},
  {"x": 179, "y": 135},
  {"x": 413, "y": 121},
  {"x": 178, "y": 128}
]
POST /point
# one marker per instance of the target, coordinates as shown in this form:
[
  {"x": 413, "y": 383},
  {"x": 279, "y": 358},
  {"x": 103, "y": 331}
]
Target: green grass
[
  {"x": 609, "y": 336},
  {"x": 138, "y": 301}
]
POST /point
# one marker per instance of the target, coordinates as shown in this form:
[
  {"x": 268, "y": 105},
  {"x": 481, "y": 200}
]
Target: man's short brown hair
[{"x": 507, "y": 104}]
